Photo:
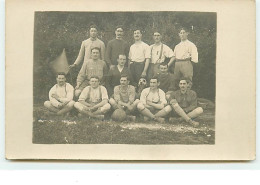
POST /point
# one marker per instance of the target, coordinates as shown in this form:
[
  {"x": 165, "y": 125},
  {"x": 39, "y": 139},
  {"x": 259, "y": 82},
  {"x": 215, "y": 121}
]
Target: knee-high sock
[
  {"x": 164, "y": 111},
  {"x": 195, "y": 113},
  {"x": 146, "y": 112},
  {"x": 180, "y": 112}
]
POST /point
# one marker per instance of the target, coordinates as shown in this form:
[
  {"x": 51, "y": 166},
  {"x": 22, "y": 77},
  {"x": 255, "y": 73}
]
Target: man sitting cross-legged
[
  {"x": 152, "y": 102},
  {"x": 60, "y": 95},
  {"x": 184, "y": 103},
  {"x": 93, "y": 101},
  {"x": 124, "y": 97}
]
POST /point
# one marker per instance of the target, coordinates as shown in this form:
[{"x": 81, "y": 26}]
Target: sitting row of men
[{"x": 154, "y": 103}]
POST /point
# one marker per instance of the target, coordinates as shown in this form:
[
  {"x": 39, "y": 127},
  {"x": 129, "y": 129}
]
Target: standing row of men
[{"x": 99, "y": 79}]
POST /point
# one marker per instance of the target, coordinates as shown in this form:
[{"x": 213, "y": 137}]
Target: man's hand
[
  {"x": 72, "y": 66},
  {"x": 77, "y": 86},
  {"x": 143, "y": 74},
  {"x": 112, "y": 66},
  {"x": 150, "y": 103},
  {"x": 60, "y": 105}
]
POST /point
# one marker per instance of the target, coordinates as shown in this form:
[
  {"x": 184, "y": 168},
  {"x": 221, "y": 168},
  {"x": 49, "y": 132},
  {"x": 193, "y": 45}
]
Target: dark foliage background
[{"x": 54, "y": 31}]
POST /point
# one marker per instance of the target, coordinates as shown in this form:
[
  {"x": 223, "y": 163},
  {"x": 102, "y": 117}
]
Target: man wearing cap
[
  {"x": 159, "y": 52},
  {"x": 87, "y": 45},
  {"x": 115, "y": 47},
  {"x": 61, "y": 96},
  {"x": 92, "y": 67},
  {"x": 139, "y": 56},
  {"x": 184, "y": 54}
]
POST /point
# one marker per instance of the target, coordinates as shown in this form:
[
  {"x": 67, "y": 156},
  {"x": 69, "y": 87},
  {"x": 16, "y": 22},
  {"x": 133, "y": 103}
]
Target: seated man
[
  {"x": 92, "y": 67},
  {"x": 184, "y": 103},
  {"x": 61, "y": 96},
  {"x": 124, "y": 97},
  {"x": 167, "y": 80},
  {"x": 93, "y": 101},
  {"x": 152, "y": 102},
  {"x": 115, "y": 72}
]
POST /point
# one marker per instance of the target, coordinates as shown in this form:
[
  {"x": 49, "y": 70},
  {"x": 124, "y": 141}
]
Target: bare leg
[
  {"x": 166, "y": 110},
  {"x": 195, "y": 113},
  {"x": 144, "y": 111},
  {"x": 66, "y": 108},
  {"x": 50, "y": 107}
]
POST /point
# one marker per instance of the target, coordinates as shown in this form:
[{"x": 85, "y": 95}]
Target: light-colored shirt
[
  {"x": 65, "y": 93},
  {"x": 124, "y": 95},
  {"x": 139, "y": 52},
  {"x": 155, "y": 97},
  {"x": 92, "y": 68},
  {"x": 156, "y": 51},
  {"x": 93, "y": 95},
  {"x": 85, "y": 50},
  {"x": 186, "y": 50}
]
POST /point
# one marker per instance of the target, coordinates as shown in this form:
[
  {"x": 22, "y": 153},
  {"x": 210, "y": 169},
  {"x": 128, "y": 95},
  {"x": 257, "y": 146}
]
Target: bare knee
[
  {"x": 199, "y": 110},
  {"x": 71, "y": 104},
  {"x": 167, "y": 109},
  {"x": 140, "y": 106},
  {"x": 47, "y": 104},
  {"x": 174, "y": 102},
  {"x": 105, "y": 108}
]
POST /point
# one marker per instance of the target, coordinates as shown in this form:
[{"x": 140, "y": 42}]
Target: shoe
[
  {"x": 131, "y": 118},
  {"x": 194, "y": 123},
  {"x": 160, "y": 120}
]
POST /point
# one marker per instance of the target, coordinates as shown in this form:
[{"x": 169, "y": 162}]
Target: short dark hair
[
  {"x": 60, "y": 73},
  {"x": 121, "y": 54},
  {"x": 94, "y": 76},
  {"x": 93, "y": 26},
  {"x": 164, "y": 64},
  {"x": 155, "y": 77},
  {"x": 186, "y": 79},
  {"x": 120, "y": 26},
  {"x": 135, "y": 29},
  {"x": 124, "y": 76},
  {"x": 97, "y": 48}
]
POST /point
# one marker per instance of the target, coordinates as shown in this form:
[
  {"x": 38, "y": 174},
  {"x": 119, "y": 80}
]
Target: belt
[{"x": 183, "y": 60}]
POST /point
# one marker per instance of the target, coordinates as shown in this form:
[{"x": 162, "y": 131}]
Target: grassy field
[{"x": 73, "y": 130}]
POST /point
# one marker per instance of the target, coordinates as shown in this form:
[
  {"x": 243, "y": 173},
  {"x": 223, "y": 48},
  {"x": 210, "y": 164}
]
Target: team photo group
[{"x": 121, "y": 81}]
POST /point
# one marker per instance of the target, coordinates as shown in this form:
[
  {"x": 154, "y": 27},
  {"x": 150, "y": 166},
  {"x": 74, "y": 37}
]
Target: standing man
[
  {"x": 61, "y": 96},
  {"x": 87, "y": 45},
  {"x": 124, "y": 97},
  {"x": 159, "y": 52},
  {"x": 184, "y": 54},
  {"x": 152, "y": 102},
  {"x": 115, "y": 73},
  {"x": 115, "y": 47},
  {"x": 93, "y": 101},
  {"x": 139, "y": 56},
  {"x": 184, "y": 103},
  {"x": 92, "y": 67}
]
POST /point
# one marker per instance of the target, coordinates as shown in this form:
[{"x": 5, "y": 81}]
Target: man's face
[
  {"x": 93, "y": 32},
  {"x": 95, "y": 54},
  {"x": 121, "y": 60},
  {"x": 123, "y": 81},
  {"x": 154, "y": 84},
  {"x": 94, "y": 82},
  {"x": 183, "y": 35},
  {"x": 119, "y": 33},
  {"x": 137, "y": 35},
  {"x": 163, "y": 68},
  {"x": 61, "y": 80},
  {"x": 157, "y": 37},
  {"x": 183, "y": 85}
]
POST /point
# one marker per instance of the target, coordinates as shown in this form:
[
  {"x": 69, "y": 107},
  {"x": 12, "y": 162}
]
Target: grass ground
[{"x": 73, "y": 130}]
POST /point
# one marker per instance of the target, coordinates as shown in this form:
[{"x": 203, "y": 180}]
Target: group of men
[{"x": 109, "y": 78}]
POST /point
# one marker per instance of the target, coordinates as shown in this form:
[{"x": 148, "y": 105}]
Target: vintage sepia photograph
[{"x": 143, "y": 78}]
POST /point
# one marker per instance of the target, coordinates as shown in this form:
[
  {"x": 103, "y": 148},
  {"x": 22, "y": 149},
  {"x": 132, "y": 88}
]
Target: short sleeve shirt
[
  {"x": 139, "y": 52},
  {"x": 186, "y": 50},
  {"x": 156, "y": 51}
]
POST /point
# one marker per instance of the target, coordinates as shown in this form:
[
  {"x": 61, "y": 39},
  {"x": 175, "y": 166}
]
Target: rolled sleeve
[
  {"x": 194, "y": 54},
  {"x": 81, "y": 54},
  {"x": 104, "y": 93}
]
